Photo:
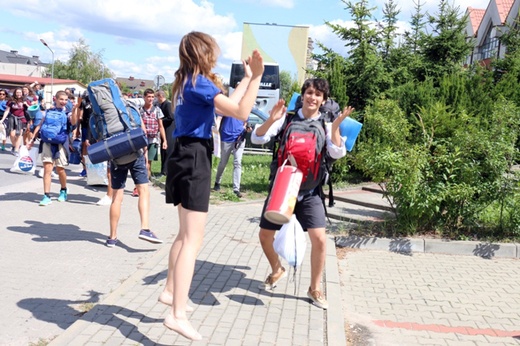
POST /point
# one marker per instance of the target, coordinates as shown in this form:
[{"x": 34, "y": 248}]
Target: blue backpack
[
  {"x": 54, "y": 127},
  {"x": 113, "y": 119},
  {"x": 111, "y": 113}
]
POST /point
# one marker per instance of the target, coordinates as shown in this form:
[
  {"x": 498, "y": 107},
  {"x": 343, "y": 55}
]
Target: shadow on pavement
[
  {"x": 52, "y": 232},
  {"x": 212, "y": 278},
  {"x": 65, "y": 312}
]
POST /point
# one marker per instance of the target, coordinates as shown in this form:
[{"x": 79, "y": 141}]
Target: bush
[{"x": 444, "y": 170}]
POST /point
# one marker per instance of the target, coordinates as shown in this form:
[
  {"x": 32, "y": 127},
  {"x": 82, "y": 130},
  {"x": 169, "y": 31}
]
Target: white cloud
[
  {"x": 273, "y": 3},
  {"x": 161, "y": 20}
]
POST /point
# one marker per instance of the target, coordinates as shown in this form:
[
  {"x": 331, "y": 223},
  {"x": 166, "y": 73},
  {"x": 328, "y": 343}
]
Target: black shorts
[
  {"x": 310, "y": 212},
  {"x": 189, "y": 174}
]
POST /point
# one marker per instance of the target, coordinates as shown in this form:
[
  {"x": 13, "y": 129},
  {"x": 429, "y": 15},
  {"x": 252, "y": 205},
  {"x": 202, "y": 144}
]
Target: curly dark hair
[{"x": 318, "y": 84}]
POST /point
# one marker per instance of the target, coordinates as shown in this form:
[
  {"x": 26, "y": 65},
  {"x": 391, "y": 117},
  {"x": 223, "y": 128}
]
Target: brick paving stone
[{"x": 446, "y": 314}]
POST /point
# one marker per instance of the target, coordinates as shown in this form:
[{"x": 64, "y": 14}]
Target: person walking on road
[
  {"x": 196, "y": 95},
  {"x": 309, "y": 208},
  {"x": 54, "y": 145},
  {"x": 17, "y": 122},
  {"x": 152, "y": 116},
  {"x": 232, "y": 141},
  {"x": 169, "y": 127}
]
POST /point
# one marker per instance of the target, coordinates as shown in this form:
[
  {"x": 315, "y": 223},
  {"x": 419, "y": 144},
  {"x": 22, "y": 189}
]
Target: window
[{"x": 490, "y": 45}]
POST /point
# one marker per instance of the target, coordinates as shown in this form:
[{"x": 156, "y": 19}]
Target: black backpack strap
[
  {"x": 278, "y": 138},
  {"x": 331, "y": 195}
]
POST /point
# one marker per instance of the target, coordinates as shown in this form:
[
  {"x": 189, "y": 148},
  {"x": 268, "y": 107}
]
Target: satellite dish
[{"x": 159, "y": 81}]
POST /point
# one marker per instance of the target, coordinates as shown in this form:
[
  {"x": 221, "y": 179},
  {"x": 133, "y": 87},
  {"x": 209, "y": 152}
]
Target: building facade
[{"x": 485, "y": 26}]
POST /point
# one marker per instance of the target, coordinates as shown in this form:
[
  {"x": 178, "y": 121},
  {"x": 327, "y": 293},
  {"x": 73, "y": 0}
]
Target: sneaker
[
  {"x": 135, "y": 193},
  {"x": 272, "y": 280},
  {"x": 216, "y": 187},
  {"x": 318, "y": 299},
  {"x": 63, "y": 195},
  {"x": 46, "y": 200},
  {"x": 111, "y": 242},
  {"x": 83, "y": 173},
  {"x": 3, "y": 147},
  {"x": 106, "y": 200},
  {"x": 238, "y": 194},
  {"x": 14, "y": 153},
  {"x": 146, "y": 234}
]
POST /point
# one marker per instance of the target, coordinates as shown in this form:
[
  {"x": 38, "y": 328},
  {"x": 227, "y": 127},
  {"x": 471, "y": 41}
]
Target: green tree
[
  {"x": 445, "y": 50},
  {"x": 83, "y": 65},
  {"x": 388, "y": 28},
  {"x": 288, "y": 85},
  {"x": 334, "y": 68},
  {"x": 365, "y": 75}
]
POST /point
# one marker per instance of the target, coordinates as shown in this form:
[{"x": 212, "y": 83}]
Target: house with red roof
[{"x": 485, "y": 26}]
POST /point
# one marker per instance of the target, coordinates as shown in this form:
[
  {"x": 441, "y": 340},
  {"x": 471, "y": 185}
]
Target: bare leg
[
  {"x": 166, "y": 296},
  {"x": 191, "y": 233},
  {"x": 144, "y": 205},
  {"x": 266, "y": 240},
  {"x": 115, "y": 211},
  {"x": 318, "y": 252},
  {"x": 14, "y": 140},
  {"x": 62, "y": 176},
  {"x": 109, "y": 187},
  {"x": 47, "y": 169}
]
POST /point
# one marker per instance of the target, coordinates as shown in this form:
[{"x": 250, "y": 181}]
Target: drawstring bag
[{"x": 290, "y": 243}]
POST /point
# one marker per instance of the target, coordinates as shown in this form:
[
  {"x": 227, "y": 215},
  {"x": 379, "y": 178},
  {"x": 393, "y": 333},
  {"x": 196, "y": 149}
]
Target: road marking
[{"x": 439, "y": 328}]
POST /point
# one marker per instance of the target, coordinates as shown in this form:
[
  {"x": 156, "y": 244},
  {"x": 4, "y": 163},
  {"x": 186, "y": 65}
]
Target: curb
[
  {"x": 335, "y": 315},
  {"x": 441, "y": 246}
]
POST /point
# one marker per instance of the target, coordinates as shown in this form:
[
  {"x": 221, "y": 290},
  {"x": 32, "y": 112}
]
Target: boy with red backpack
[{"x": 310, "y": 141}]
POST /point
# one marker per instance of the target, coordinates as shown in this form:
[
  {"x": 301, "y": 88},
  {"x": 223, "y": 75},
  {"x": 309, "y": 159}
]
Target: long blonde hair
[{"x": 198, "y": 53}]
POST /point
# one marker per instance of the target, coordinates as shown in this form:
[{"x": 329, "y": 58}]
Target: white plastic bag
[
  {"x": 216, "y": 144},
  {"x": 3, "y": 134},
  {"x": 96, "y": 173},
  {"x": 290, "y": 242},
  {"x": 26, "y": 161}
]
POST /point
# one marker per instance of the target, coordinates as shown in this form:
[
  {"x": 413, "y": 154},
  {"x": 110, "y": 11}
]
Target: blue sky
[{"x": 140, "y": 38}]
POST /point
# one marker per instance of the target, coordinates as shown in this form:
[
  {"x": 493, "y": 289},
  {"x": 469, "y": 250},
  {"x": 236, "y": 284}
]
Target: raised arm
[
  {"x": 244, "y": 83},
  {"x": 335, "y": 135},
  {"x": 241, "y": 109},
  {"x": 276, "y": 114}
]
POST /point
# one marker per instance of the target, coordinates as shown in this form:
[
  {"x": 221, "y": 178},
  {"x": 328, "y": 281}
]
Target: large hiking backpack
[
  {"x": 54, "y": 127},
  {"x": 113, "y": 115},
  {"x": 111, "y": 112}
]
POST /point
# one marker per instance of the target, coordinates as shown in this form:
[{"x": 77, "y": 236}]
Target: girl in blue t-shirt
[{"x": 197, "y": 96}]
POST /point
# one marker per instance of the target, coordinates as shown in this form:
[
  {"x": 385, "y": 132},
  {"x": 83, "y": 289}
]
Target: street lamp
[{"x": 52, "y": 69}]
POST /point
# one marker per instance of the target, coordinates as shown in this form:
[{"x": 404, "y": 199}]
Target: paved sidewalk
[
  {"x": 229, "y": 307},
  {"x": 61, "y": 283},
  {"x": 430, "y": 299},
  {"x": 56, "y": 267}
]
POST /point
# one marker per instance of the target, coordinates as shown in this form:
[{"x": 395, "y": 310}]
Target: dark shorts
[
  {"x": 137, "y": 170},
  {"x": 189, "y": 174},
  {"x": 310, "y": 212},
  {"x": 153, "y": 152},
  {"x": 84, "y": 134}
]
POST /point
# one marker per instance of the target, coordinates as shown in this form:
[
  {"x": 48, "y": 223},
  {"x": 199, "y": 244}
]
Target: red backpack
[{"x": 304, "y": 139}]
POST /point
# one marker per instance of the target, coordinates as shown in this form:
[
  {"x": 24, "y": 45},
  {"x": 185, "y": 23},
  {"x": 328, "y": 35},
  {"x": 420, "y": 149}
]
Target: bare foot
[
  {"x": 183, "y": 327},
  {"x": 167, "y": 299}
]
